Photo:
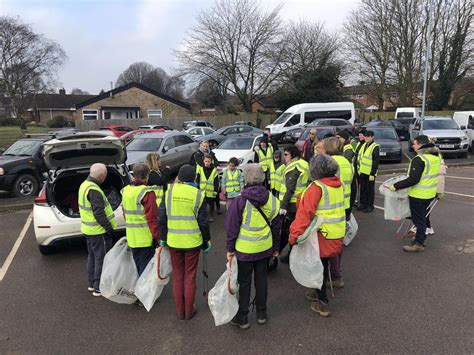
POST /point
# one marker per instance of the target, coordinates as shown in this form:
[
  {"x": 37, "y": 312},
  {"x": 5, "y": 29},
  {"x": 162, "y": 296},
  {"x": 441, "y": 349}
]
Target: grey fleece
[{"x": 291, "y": 178}]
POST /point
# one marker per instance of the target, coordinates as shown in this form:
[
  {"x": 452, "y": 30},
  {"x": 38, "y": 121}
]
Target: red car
[
  {"x": 321, "y": 133},
  {"x": 117, "y": 130},
  {"x": 129, "y": 136}
]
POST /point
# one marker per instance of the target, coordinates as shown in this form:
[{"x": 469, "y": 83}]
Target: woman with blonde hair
[{"x": 157, "y": 179}]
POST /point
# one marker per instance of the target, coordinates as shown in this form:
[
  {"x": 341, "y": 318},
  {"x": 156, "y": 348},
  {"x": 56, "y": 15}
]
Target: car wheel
[
  {"x": 213, "y": 144},
  {"x": 25, "y": 185},
  {"x": 47, "y": 249}
]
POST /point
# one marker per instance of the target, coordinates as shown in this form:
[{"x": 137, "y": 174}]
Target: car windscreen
[
  {"x": 23, "y": 147},
  {"x": 282, "y": 118},
  {"x": 321, "y": 133},
  {"x": 105, "y": 129},
  {"x": 385, "y": 134},
  {"x": 237, "y": 143},
  {"x": 405, "y": 114},
  {"x": 439, "y": 124},
  {"x": 145, "y": 144}
]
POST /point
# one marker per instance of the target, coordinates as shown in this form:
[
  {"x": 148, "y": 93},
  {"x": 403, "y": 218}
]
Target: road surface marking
[
  {"x": 380, "y": 208},
  {"x": 459, "y": 177},
  {"x": 16, "y": 246},
  {"x": 458, "y": 194}
]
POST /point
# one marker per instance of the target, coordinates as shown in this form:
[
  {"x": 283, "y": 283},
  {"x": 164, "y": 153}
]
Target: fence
[{"x": 260, "y": 120}]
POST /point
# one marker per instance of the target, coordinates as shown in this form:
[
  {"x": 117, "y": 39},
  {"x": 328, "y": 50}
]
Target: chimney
[{"x": 62, "y": 91}]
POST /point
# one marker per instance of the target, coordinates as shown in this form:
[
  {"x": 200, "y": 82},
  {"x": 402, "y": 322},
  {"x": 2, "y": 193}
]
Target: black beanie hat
[
  {"x": 344, "y": 134},
  {"x": 369, "y": 133},
  {"x": 187, "y": 173}
]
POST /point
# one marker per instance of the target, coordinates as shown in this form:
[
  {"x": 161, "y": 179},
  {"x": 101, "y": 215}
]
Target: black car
[
  {"x": 21, "y": 167},
  {"x": 400, "y": 128},
  {"x": 292, "y": 135},
  {"x": 218, "y": 136},
  {"x": 390, "y": 146}
]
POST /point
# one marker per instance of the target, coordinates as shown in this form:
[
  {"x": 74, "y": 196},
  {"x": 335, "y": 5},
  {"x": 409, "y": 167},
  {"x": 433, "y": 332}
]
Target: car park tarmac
[{"x": 392, "y": 302}]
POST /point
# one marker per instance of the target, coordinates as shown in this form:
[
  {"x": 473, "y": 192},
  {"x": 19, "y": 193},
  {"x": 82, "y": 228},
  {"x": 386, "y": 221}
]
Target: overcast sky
[{"x": 103, "y": 37}]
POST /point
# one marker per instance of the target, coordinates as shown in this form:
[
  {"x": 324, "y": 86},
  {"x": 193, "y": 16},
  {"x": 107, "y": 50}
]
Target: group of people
[{"x": 269, "y": 204}]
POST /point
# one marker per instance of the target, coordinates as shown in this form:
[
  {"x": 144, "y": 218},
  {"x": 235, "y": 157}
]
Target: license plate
[
  {"x": 382, "y": 154},
  {"x": 446, "y": 145}
]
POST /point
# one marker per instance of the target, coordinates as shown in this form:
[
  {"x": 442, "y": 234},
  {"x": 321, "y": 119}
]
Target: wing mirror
[
  {"x": 165, "y": 149},
  {"x": 463, "y": 127}
]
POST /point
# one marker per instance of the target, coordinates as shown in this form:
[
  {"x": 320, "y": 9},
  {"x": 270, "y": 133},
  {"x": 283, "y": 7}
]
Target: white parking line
[
  {"x": 15, "y": 248},
  {"x": 458, "y": 194},
  {"x": 459, "y": 177},
  {"x": 379, "y": 208}
]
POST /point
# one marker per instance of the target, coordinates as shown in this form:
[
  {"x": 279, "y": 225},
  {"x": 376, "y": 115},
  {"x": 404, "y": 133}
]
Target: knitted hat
[
  {"x": 344, "y": 134},
  {"x": 264, "y": 139},
  {"x": 187, "y": 173},
  {"x": 369, "y": 133}
]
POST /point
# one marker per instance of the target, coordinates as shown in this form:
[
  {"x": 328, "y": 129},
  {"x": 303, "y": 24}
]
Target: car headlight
[
  {"x": 2, "y": 171},
  {"x": 464, "y": 138}
]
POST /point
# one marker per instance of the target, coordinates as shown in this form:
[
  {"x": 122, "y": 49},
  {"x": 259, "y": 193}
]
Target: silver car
[{"x": 175, "y": 149}]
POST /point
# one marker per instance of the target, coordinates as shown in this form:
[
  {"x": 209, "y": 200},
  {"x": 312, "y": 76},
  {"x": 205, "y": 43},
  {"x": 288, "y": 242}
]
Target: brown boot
[
  {"x": 337, "y": 282},
  {"x": 414, "y": 248},
  {"x": 321, "y": 307},
  {"x": 312, "y": 295}
]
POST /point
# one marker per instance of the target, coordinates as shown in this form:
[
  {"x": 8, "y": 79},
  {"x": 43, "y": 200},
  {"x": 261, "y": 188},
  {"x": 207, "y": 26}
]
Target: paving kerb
[{"x": 15, "y": 204}]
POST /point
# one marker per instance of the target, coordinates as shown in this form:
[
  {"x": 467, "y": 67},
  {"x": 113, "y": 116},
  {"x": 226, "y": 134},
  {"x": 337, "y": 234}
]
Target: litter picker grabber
[
  {"x": 205, "y": 276},
  {"x": 330, "y": 279},
  {"x": 408, "y": 225}
]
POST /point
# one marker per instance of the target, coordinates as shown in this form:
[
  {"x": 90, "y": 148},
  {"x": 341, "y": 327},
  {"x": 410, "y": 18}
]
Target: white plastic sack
[
  {"x": 153, "y": 280},
  {"x": 305, "y": 261},
  {"x": 396, "y": 206},
  {"x": 222, "y": 297},
  {"x": 119, "y": 274},
  {"x": 351, "y": 230}
]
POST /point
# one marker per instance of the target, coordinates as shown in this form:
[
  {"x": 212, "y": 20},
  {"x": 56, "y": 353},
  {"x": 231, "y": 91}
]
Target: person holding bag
[
  {"x": 324, "y": 198},
  {"x": 253, "y": 236}
]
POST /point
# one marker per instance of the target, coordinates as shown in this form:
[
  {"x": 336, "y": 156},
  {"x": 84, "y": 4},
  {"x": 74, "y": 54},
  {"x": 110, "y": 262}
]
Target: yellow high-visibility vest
[
  {"x": 302, "y": 166},
  {"x": 276, "y": 177},
  {"x": 206, "y": 184},
  {"x": 265, "y": 159},
  {"x": 427, "y": 187},
  {"x": 232, "y": 180},
  {"x": 365, "y": 158},
  {"x": 346, "y": 174}
]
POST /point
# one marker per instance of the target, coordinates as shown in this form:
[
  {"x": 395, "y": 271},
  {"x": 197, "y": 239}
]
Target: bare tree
[
  {"x": 368, "y": 44},
  {"x": 28, "y": 62},
  {"x": 236, "y": 41},
  {"x": 77, "y": 91},
  {"x": 154, "y": 78}
]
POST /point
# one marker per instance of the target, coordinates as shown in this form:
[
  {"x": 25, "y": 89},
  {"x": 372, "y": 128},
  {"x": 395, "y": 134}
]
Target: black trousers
[
  {"x": 259, "y": 270},
  {"x": 142, "y": 257},
  {"x": 419, "y": 209},
  {"x": 322, "y": 292},
  {"x": 97, "y": 247},
  {"x": 211, "y": 202},
  {"x": 285, "y": 229},
  {"x": 367, "y": 191},
  {"x": 353, "y": 193}
]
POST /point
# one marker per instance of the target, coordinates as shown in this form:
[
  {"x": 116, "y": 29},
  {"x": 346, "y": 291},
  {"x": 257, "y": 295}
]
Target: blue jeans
[
  {"x": 419, "y": 209},
  {"x": 97, "y": 247}
]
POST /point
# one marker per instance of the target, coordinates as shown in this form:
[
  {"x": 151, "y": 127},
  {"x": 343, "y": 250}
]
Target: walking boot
[
  {"x": 312, "y": 295},
  {"x": 240, "y": 321},
  {"x": 321, "y": 307},
  {"x": 261, "y": 317},
  {"x": 337, "y": 282},
  {"x": 414, "y": 248}
]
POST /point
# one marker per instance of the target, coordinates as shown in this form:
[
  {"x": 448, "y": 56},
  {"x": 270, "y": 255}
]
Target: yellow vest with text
[
  {"x": 137, "y": 231},
  {"x": 331, "y": 210},
  {"x": 265, "y": 159},
  {"x": 346, "y": 174},
  {"x": 365, "y": 158},
  {"x": 206, "y": 184},
  {"x": 302, "y": 166},
  {"x": 182, "y": 203},
  {"x": 276, "y": 177},
  {"x": 89, "y": 225},
  {"x": 255, "y": 235},
  {"x": 232, "y": 180},
  {"x": 427, "y": 187}
]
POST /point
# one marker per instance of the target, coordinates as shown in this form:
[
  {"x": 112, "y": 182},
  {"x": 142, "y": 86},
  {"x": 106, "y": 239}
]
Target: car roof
[
  {"x": 319, "y": 127},
  {"x": 245, "y": 135},
  {"x": 429, "y": 118},
  {"x": 114, "y": 126},
  {"x": 160, "y": 135}
]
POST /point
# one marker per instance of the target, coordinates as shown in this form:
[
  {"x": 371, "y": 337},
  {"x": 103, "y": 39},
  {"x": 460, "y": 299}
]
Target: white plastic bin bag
[
  {"x": 396, "y": 205},
  {"x": 351, "y": 230},
  {"x": 119, "y": 274},
  {"x": 222, "y": 297},
  {"x": 305, "y": 261},
  {"x": 154, "y": 278}
]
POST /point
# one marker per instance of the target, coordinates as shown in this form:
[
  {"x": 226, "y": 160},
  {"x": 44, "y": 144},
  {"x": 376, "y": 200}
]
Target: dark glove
[{"x": 110, "y": 234}]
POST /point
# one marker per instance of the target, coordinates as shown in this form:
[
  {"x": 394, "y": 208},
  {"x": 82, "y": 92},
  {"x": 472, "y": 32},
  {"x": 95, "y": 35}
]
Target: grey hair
[
  {"x": 141, "y": 171},
  {"x": 98, "y": 171},
  {"x": 322, "y": 166},
  {"x": 253, "y": 174}
]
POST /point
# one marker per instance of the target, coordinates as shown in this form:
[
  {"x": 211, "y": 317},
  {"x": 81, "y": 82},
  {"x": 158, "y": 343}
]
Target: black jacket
[
  {"x": 198, "y": 158},
  {"x": 158, "y": 178},
  {"x": 291, "y": 178},
  {"x": 98, "y": 207}
]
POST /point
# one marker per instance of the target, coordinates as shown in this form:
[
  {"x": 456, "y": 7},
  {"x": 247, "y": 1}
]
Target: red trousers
[{"x": 184, "y": 265}]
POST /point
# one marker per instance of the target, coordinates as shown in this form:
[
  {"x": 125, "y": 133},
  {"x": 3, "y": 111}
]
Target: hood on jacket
[
  {"x": 332, "y": 181},
  {"x": 280, "y": 162},
  {"x": 256, "y": 194},
  {"x": 429, "y": 150}
]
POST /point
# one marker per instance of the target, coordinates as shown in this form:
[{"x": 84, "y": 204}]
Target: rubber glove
[
  {"x": 163, "y": 243},
  {"x": 207, "y": 247},
  {"x": 230, "y": 255},
  {"x": 283, "y": 212},
  {"x": 392, "y": 188},
  {"x": 371, "y": 178}
]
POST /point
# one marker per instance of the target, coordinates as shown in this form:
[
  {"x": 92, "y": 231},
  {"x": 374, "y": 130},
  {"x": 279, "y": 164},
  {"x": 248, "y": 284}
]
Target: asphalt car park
[{"x": 393, "y": 302}]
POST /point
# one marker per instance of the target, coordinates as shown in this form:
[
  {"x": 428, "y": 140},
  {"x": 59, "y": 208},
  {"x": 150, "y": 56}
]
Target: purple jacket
[{"x": 258, "y": 195}]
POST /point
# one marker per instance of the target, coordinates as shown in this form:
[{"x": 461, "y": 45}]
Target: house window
[
  {"x": 360, "y": 96},
  {"x": 89, "y": 115},
  {"x": 155, "y": 113},
  {"x": 394, "y": 95}
]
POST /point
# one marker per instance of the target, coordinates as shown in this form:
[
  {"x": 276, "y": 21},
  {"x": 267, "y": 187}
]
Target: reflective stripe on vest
[
  {"x": 276, "y": 177},
  {"x": 427, "y": 187},
  {"x": 349, "y": 147},
  {"x": 183, "y": 202},
  {"x": 232, "y": 180},
  {"x": 365, "y": 158},
  {"x": 206, "y": 184},
  {"x": 331, "y": 210},
  {"x": 346, "y": 174},
  {"x": 137, "y": 230},
  {"x": 255, "y": 236},
  {"x": 89, "y": 225},
  {"x": 265, "y": 159},
  {"x": 302, "y": 166},
  {"x": 158, "y": 190}
]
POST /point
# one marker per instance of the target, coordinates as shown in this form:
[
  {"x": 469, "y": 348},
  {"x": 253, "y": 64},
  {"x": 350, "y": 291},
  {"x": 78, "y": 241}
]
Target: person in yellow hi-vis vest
[
  {"x": 368, "y": 164},
  {"x": 422, "y": 184},
  {"x": 208, "y": 181},
  {"x": 349, "y": 153},
  {"x": 253, "y": 237},
  {"x": 141, "y": 217},
  {"x": 185, "y": 231},
  {"x": 276, "y": 174},
  {"x": 97, "y": 223},
  {"x": 264, "y": 156},
  {"x": 232, "y": 181},
  {"x": 158, "y": 178}
]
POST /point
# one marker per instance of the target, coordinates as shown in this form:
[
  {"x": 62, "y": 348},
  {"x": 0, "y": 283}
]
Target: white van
[
  {"x": 406, "y": 113},
  {"x": 465, "y": 120},
  {"x": 303, "y": 114}
]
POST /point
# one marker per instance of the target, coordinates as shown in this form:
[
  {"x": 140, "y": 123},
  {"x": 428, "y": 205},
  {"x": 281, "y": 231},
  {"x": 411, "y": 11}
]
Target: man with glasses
[{"x": 308, "y": 147}]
